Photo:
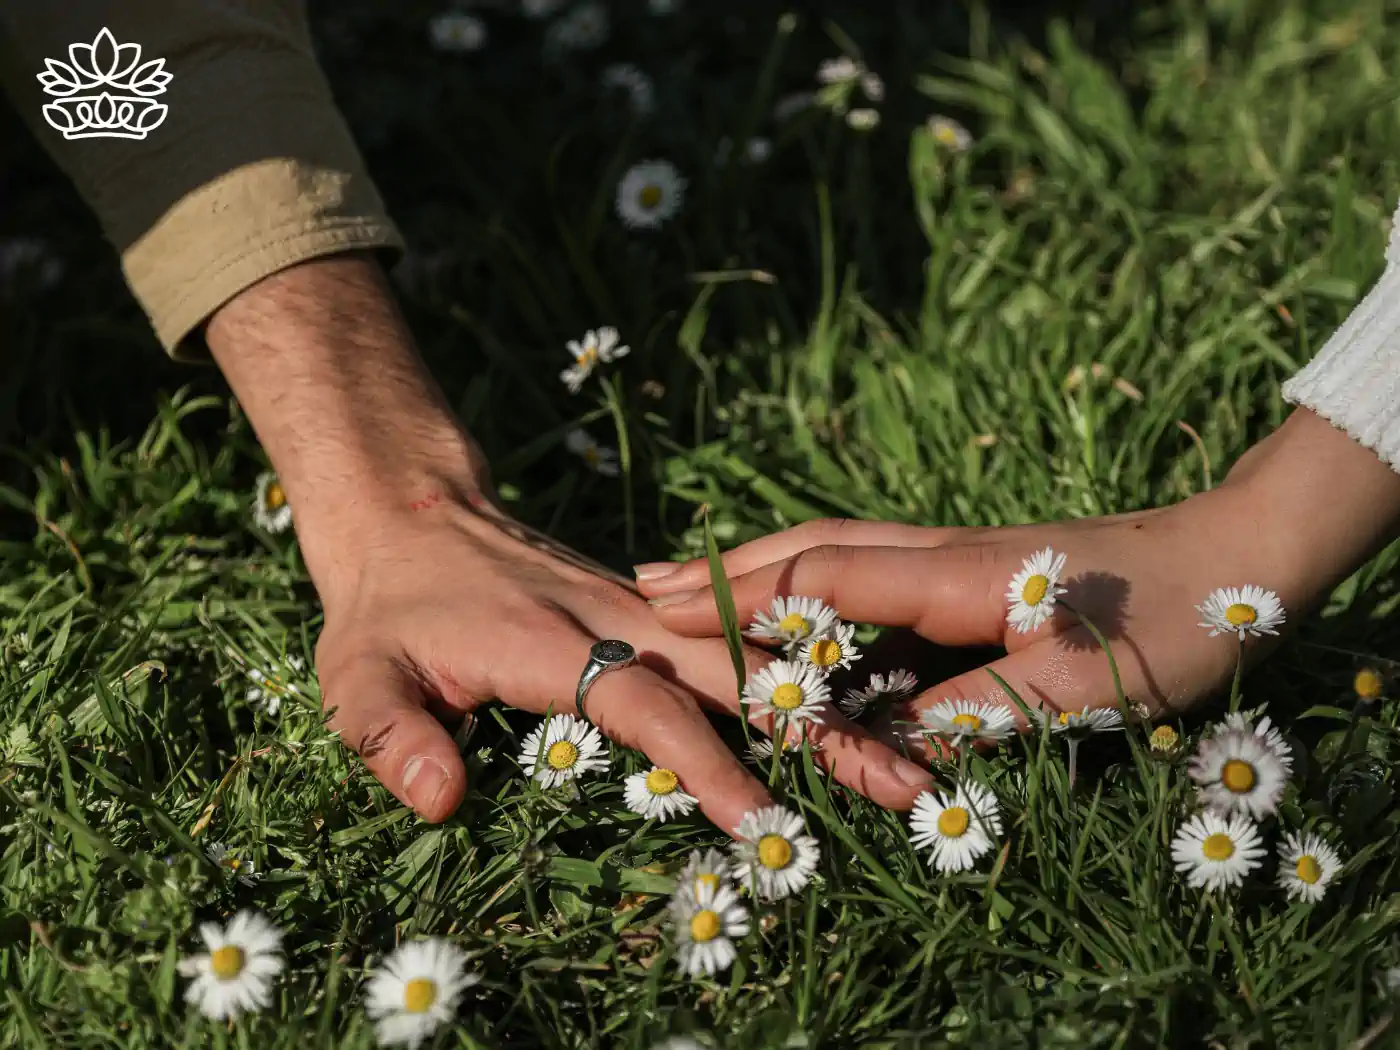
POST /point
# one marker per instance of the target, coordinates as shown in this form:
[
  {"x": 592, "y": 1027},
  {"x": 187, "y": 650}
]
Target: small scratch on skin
[{"x": 432, "y": 499}]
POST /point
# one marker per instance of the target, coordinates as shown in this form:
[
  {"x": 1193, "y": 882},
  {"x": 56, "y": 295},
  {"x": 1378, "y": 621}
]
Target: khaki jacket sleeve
[{"x": 250, "y": 167}]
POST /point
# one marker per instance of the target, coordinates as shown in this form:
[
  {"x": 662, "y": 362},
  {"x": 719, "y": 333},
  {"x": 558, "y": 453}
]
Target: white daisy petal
[
  {"x": 416, "y": 991},
  {"x": 1034, "y": 589},
  {"x": 773, "y": 857},
  {"x": 948, "y": 133},
  {"x": 882, "y": 690},
  {"x": 562, "y": 749},
  {"x": 790, "y": 690},
  {"x": 1216, "y": 851},
  {"x": 598, "y": 458},
  {"x": 956, "y": 831},
  {"x": 1267, "y": 734},
  {"x": 831, "y": 649},
  {"x": 271, "y": 511},
  {"x": 638, "y": 87},
  {"x": 234, "y": 976},
  {"x": 707, "y": 919},
  {"x": 657, "y": 795},
  {"x": 1239, "y": 772},
  {"x": 959, "y": 720},
  {"x": 792, "y": 620},
  {"x": 1242, "y": 611},
  {"x": 649, "y": 194},
  {"x": 1080, "y": 723},
  {"x": 709, "y": 868},
  {"x": 1307, "y": 864}
]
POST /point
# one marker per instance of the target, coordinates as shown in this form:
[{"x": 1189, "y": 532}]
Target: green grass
[{"x": 865, "y": 326}]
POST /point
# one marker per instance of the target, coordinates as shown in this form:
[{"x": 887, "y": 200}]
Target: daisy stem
[
  {"x": 964, "y": 754},
  {"x": 1235, "y": 684},
  {"x": 1073, "y": 765},
  {"x": 779, "y": 743}
]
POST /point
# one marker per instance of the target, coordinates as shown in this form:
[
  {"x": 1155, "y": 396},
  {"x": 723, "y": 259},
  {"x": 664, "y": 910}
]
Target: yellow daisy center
[
  {"x": 590, "y": 455},
  {"x": 650, "y": 196},
  {"x": 1063, "y": 718},
  {"x": 946, "y": 135},
  {"x": 1218, "y": 847},
  {"x": 704, "y": 926},
  {"x": 1241, "y": 615},
  {"x": 561, "y": 755},
  {"x": 787, "y": 697},
  {"x": 1308, "y": 869},
  {"x": 662, "y": 782},
  {"x": 232, "y": 863},
  {"x": 709, "y": 881},
  {"x": 1033, "y": 593},
  {"x": 794, "y": 623},
  {"x": 274, "y": 497},
  {"x": 826, "y": 653},
  {"x": 774, "y": 852},
  {"x": 1164, "y": 738},
  {"x": 1368, "y": 683},
  {"x": 589, "y": 357},
  {"x": 227, "y": 962},
  {"x": 953, "y": 822},
  {"x": 1238, "y": 776},
  {"x": 419, "y": 995},
  {"x": 967, "y": 721}
]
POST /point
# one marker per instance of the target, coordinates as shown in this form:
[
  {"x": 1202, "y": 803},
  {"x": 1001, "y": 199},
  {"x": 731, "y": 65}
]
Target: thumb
[{"x": 379, "y": 713}]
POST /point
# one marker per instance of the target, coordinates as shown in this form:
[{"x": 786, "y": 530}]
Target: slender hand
[
  {"x": 1298, "y": 513},
  {"x": 435, "y": 600}
]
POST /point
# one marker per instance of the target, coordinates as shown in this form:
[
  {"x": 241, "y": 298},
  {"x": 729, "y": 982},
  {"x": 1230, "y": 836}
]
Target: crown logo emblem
[{"x": 104, "y": 90}]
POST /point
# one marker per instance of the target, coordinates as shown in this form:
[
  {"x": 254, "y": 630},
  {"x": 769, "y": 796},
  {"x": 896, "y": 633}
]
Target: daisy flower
[
  {"x": 790, "y": 690},
  {"x": 598, "y": 458},
  {"x": 1241, "y": 610},
  {"x": 872, "y": 86},
  {"x": 958, "y": 720},
  {"x": 268, "y": 690},
  {"x": 707, "y": 922},
  {"x": 1034, "y": 589},
  {"x": 457, "y": 31},
  {"x": 773, "y": 857},
  {"x": 584, "y": 28},
  {"x": 831, "y": 649},
  {"x": 709, "y": 869},
  {"x": 792, "y": 104},
  {"x": 840, "y": 70},
  {"x": 235, "y": 974},
  {"x": 596, "y": 347},
  {"x": 1307, "y": 864},
  {"x": 244, "y": 870},
  {"x": 1080, "y": 723},
  {"x": 649, "y": 194},
  {"x": 958, "y": 830},
  {"x": 948, "y": 133},
  {"x": 1239, "y": 772},
  {"x": 415, "y": 991},
  {"x": 1216, "y": 851},
  {"x": 1164, "y": 740},
  {"x": 863, "y": 119},
  {"x": 761, "y": 749},
  {"x": 1265, "y": 731},
  {"x": 641, "y": 93},
  {"x": 271, "y": 510},
  {"x": 1368, "y": 684},
  {"x": 792, "y": 620},
  {"x": 882, "y": 690},
  {"x": 562, "y": 749},
  {"x": 657, "y": 795}
]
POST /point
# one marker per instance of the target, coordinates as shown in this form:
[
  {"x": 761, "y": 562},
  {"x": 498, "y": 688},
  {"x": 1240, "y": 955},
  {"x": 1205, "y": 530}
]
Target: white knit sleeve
[{"x": 1354, "y": 381}]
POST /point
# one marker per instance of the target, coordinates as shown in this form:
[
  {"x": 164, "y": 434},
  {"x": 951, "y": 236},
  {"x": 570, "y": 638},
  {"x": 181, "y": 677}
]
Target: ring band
[{"x": 608, "y": 655}]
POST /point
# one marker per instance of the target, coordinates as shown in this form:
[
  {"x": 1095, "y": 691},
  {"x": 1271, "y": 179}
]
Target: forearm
[{"x": 356, "y": 427}]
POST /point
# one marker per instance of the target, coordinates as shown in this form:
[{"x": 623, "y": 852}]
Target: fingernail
[
  {"x": 654, "y": 570},
  {"x": 423, "y": 781},
  {"x": 910, "y": 774},
  {"x": 672, "y": 599}
]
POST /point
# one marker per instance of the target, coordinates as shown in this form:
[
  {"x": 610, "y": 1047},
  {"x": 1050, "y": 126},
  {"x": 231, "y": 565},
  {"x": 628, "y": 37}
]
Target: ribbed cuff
[{"x": 1354, "y": 381}]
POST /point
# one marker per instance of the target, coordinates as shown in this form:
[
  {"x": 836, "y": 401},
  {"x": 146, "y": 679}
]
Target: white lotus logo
[{"x": 104, "y": 90}]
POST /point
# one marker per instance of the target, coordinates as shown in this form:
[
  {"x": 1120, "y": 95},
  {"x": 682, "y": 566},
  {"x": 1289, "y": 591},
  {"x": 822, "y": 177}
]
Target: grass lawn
[{"x": 1089, "y": 310}]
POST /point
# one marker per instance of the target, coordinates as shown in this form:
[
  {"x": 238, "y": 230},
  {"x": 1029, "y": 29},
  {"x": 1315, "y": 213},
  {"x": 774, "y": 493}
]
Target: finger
[
  {"x": 379, "y": 712},
  {"x": 953, "y": 595},
  {"x": 704, "y": 668},
  {"x": 657, "y": 578},
  {"x": 638, "y": 709}
]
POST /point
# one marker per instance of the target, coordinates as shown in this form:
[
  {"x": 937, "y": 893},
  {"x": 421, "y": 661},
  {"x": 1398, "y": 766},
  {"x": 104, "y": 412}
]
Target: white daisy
[
  {"x": 649, "y": 194},
  {"x": 235, "y": 974},
  {"x": 792, "y": 104},
  {"x": 271, "y": 510},
  {"x": 708, "y": 869},
  {"x": 1241, "y": 610},
  {"x": 958, "y": 830},
  {"x": 244, "y": 870},
  {"x": 641, "y": 93},
  {"x": 1307, "y": 864},
  {"x": 598, "y": 458},
  {"x": 538, "y": 9},
  {"x": 840, "y": 70},
  {"x": 457, "y": 31},
  {"x": 657, "y": 795},
  {"x": 882, "y": 690},
  {"x": 416, "y": 990},
  {"x": 761, "y": 749},
  {"x": 948, "y": 133},
  {"x": 268, "y": 690},
  {"x": 792, "y": 620},
  {"x": 773, "y": 857},
  {"x": 584, "y": 28},
  {"x": 1082, "y": 723},
  {"x": 958, "y": 720},
  {"x": 831, "y": 649},
  {"x": 597, "y": 347},
  {"x": 1215, "y": 851},
  {"x": 1267, "y": 734},
  {"x": 1034, "y": 589},
  {"x": 562, "y": 749},
  {"x": 1239, "y": 773},
  {"x": 863, "y": 119},
  {"x": 707, "y": 922},
  {"x": 789, "y": 690}
]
